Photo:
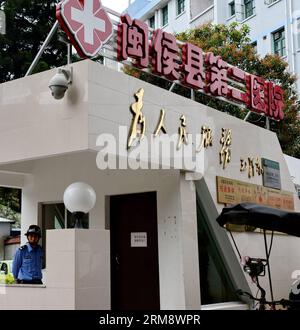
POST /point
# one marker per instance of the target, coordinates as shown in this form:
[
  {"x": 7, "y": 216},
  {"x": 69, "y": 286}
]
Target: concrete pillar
[
  {"x": 78, "y": 261},
  {"x": 190, "y": 244}
]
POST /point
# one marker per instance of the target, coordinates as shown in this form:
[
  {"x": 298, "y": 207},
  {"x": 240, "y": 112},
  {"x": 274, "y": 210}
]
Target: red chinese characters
[
  {"x": 258, "y": 103},
  {"x": 216, "y": 75},
  {"x": 266, "y": 98},
  {"x": 133, "y": 41},
  {"x": 235, "y": 94},
  {"x": 165, "y": 58},
  {"x": 194, "y": 69},
  {"x": 275, "y": 101},
  {"x": 192, "y": 66}
]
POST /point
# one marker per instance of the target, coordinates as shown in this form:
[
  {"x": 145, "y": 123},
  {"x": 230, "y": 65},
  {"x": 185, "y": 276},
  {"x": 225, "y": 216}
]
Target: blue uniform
[{"x": 27, "y": 264}]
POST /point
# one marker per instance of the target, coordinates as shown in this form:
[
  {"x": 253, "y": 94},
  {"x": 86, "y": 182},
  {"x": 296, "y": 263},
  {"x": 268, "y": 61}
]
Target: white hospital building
[{"x": 152, "y": 240}]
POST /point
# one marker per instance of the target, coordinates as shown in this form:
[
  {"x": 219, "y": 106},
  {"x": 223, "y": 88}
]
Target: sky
[{"x": 117, "y": 5}]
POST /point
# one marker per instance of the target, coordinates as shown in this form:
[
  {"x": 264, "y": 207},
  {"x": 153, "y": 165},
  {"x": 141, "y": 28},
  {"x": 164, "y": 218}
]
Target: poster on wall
[{"x": 231, "y": 192}]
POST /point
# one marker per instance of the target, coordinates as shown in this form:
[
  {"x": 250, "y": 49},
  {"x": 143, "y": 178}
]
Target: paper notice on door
[{"x": 138, "y": 239}]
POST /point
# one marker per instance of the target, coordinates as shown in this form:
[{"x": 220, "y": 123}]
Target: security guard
[{"x": 28, "y": 260}]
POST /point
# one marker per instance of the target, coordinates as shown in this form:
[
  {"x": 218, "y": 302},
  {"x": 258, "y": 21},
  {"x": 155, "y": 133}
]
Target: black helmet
[{"x": 34, "y": 229}]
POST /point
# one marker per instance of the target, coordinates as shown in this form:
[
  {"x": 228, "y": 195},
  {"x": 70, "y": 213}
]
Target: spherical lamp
[{"x": 79, "y": 199}]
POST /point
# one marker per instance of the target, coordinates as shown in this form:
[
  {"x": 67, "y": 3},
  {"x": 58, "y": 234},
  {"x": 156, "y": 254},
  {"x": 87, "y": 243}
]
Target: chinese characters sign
[
  {"x": 138, "y": 123},
  {"x": 225, "y": 153},
  {"x": 190, "y": 66},
  {"x": 88, "y": 26},
  {"x": 138, "y": 127},
  {"x": 138, "y": 239},
  {"x": 252, "y": 165},
  {"x": 234, "y": 192}
]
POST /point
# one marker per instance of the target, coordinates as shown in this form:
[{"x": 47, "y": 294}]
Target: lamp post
[{"x": 79, "y": 199}]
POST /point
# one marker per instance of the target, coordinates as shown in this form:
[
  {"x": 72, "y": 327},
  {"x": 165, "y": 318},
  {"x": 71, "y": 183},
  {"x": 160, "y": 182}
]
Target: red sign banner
[
  {"x": 205, "y": 72},
  {"x": 86, "y": 23},
  {"x": 88, "y": 26}
]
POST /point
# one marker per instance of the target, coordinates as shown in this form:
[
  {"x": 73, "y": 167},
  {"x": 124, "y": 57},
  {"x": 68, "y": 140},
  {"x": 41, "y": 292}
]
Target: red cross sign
[{"x": 86, "y": 23}]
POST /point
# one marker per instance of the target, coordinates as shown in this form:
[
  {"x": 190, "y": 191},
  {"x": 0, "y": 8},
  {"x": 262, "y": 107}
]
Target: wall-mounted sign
[
  {"x": 189, "y": 65},
  {"x": 138, "y": 127},
  {"x": 138, "y": 239},
  {"x": 271, "y": 174},
  {"x": 252, "y": 165},
  {"x": 231, "y": 191},
  {"x": 86, "y": 23},
  {"x": 88, "y": 27}
]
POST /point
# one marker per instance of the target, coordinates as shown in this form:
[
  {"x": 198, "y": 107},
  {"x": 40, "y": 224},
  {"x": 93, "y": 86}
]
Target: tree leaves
[{"x": 28, "y": 23}]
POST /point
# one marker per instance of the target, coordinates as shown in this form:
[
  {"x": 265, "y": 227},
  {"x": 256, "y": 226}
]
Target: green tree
[
  {"x": 10, "y": 204},
  {"x": 28, "y": 23},
  {"x": 232, "y": 42}
]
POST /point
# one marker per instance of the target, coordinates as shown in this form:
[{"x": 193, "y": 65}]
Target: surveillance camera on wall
[{"x": 59, "y": 84}]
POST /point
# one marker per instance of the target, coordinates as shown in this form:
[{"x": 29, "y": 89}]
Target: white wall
[
  {"x": 10, "y": 250},
  {"x": 294, "y": 168},
  {"x": 76, "y": 278},
  {"x": 4, "y": 232},
  {"x": 108, "y": 96},
  {"x": 176, "y": 23},
  {"x": 37, "y": 125},
  {"x": 206, "y": 17},
  {"x": 51, "y": 176}
]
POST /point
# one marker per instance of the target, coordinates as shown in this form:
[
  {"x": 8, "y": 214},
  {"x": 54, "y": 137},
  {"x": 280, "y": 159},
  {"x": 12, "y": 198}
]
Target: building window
[
  {"x": 152, "y": 22},
  {"x": 249, "y": 8},
  {"x": 279, "y": 43},
  {"x": 254, "y": 46},
  {"x": 180, "y": 6},
  {"x": 164, "y": 15},
  {"x": 56, "y": 216},
  {"x": 231, "y": 8}
]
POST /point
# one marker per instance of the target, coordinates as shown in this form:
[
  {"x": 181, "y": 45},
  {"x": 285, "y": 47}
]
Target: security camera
[{"x": 60, "y": 83}]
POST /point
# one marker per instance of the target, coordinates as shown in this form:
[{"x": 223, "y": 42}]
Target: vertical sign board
[{"x": 271, "y": 174}]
